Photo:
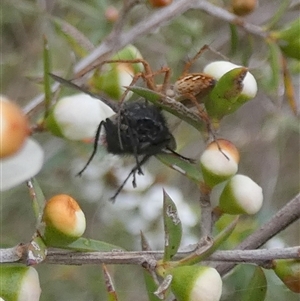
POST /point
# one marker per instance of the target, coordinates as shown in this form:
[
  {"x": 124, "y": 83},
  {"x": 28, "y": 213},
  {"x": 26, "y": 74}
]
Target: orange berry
[
  {"x": 14, "y": 128},
  {"x": 243, "y": 7},
  {"x": 160, "y": 3},
  {"x": 63, "y": 213},
  {"x": 111, "y": 14}
]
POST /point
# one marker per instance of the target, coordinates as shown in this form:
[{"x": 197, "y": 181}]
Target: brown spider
[{"x": 189, "y": 88}]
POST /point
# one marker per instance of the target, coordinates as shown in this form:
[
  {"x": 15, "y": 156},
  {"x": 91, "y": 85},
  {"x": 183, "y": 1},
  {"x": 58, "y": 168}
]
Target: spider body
[{"x": 193, "y": 87}]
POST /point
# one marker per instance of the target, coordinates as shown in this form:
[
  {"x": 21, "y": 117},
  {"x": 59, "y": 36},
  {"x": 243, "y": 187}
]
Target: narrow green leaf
[
  {"x": 151, "y": 286},
  {"x": 283, "y": 7},
  {"x": 38, "y": 199},
  {"x": 172, "y": 106},
  {"x": 79, "y": 43},
  {"x": 112, "y": 295},
  {"x": 87, "y": 245},
  {"x": 172, "y": 228},
  {"x": 150, "y": 280},
  {"x": 257, "y": 287},
  {"x": 150, "y": 95},
  {"x": 182, "y": 166},
  {"x": 47, "y": 70},
  {"x": 234, "y": 39},
  {"x": 217, "y": 242},
  {"x": 275, "y": 64},
  {"x": 289, "y": 39}
]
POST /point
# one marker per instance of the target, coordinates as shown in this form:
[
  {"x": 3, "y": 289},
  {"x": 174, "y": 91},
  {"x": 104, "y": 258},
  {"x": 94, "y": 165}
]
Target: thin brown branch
[
  {"x": 249, "y": 256},
  {"x": 253, "y": 256},
  {"x": 226, "y": 16},
  {"x": 149, "y": 257},
  {"x": 283, "y": 218},
  {"x": 75, "y": 258},
  {"x": 13, "y": 254},
  {"x": 206, "y": 216}
]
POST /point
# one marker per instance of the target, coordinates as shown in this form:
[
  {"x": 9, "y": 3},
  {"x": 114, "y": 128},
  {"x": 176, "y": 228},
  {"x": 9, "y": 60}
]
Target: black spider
[{"x": 138, "y": 128}]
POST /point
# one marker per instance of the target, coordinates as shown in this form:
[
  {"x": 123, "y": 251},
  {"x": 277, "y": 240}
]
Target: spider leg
[
  {"x": 162, "y": 87},
  {"x": 189, "y": 63},
  {"x": 147, "y": 73},
  {"x": 202, "y": 114},
  {"x": 70, "y": 84},
  {"x": 132, "y": 172},
  {"x": 95, "y": 148},
  {"x": 180, "y": 156},
  {"x": 205, "y": 47}
]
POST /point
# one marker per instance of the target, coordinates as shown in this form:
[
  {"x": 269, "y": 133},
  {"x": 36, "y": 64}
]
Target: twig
[
  {"x": 254, "y": 256},
  {"x": 206, "y": 215},
  {"x": 148, "y": 257},
  {"x": 225, "y": 15},
  {"x": 283, "y": 218},
  {"x": 14, "y": 254}
]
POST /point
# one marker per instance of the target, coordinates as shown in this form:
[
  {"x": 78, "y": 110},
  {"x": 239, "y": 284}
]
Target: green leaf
[
  {"x": 79, "y": 43},
  {"x": 86, "y": 245},
  {"x": 234, "y": 39},
  {"x": 150, "y": 95},
  {"x": 172, "y": 228},
  {"x": 150, "y": 281},
  {"x": 217, "y": 242},
  {"x": 275, "y": 64},
  {"x": 182, "y": 166},
  {"x": 257, "y": 287},
  {"x": 172, "y": 106},
  {"x": 38, "y": 199},
  {"x": 151, "y": 286},
  {"x": 290, "y": 31},
  {"x": 245, "y": 228},
  {"x": 288, "y": 270},
  {"x": 225, "y": 97},
  {"x": 112, "y": 295},
  {"x": 292, "y": 49},
  {"x": 288, "y": 39},
  {"x": 283, "y": 7}
]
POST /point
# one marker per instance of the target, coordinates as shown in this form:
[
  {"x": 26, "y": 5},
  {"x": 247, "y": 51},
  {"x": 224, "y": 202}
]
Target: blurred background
[{"x": 265, "y": 130}]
